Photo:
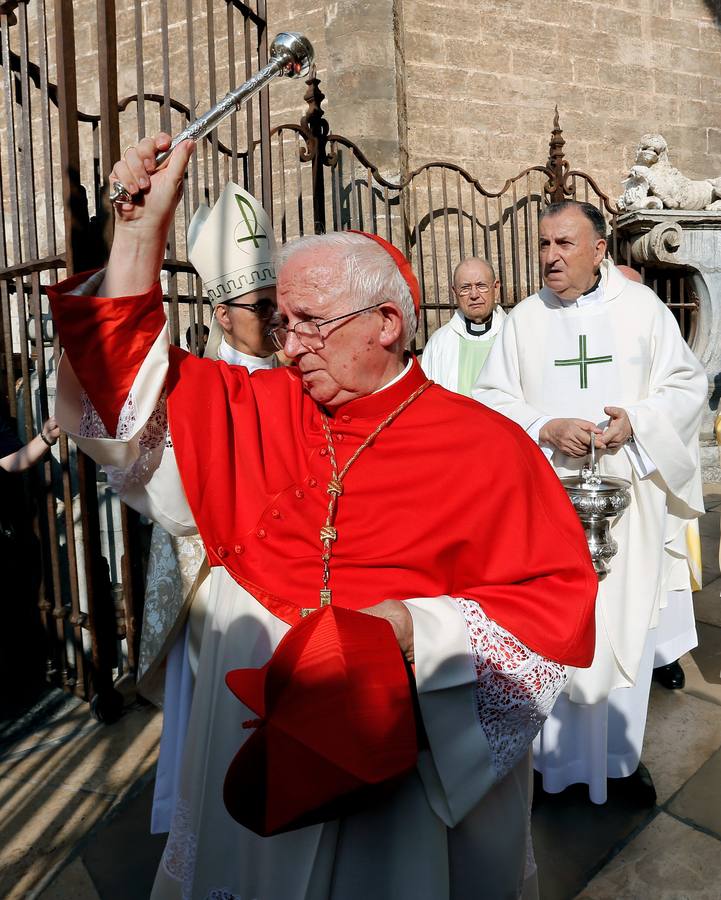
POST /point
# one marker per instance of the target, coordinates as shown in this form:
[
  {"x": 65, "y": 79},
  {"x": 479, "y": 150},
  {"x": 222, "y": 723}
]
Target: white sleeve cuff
[
  {"x": 640, "y": 460},
  {"x": 534, "y": 433},
  {"x": 458, "y": 769}
]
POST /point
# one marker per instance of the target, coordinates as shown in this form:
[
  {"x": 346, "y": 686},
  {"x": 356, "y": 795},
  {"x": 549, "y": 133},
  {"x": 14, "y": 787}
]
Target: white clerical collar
[
  {"x": 237, "y": 358},
  {"x": 458, "y": 324},
  {"x": 397, "y": 378},
  {"x": 588, "y": 299}
]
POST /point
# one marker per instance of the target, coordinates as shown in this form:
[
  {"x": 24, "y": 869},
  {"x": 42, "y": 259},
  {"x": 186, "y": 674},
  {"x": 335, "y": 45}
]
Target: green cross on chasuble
[{"x": 583, "y": 361}]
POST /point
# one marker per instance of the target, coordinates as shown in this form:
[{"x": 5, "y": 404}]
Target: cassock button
[
  {"x": 222, "y": 552},
  {"x": 275, "y": 513},
  {"x": 312, "y": 482},
  {"x": 261, "y": 532},
  {"x": 299, "y": 494},
  {"x": 323, "y": 451},
  {"x": 345, "y": 418},
  {"x": 339, "y": 438},
  {"x": 239, "y": 548}
]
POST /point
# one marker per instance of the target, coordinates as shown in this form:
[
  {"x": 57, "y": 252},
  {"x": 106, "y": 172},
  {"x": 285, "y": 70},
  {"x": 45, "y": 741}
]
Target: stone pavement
[{"x": 75, "y": 795}]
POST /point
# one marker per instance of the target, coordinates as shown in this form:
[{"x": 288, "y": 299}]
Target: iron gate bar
[
  {"x": 46, "y": 130},
  {"x": 231, "y": 86},
  {"x": 446, "y": 231},
  {"x": 100, "y": 670},
  {"x": 247, "y": 12},
  {"x": 70, "y": 675},
  {"x": 9, "y": 134},
  {"x": 515, "y": 245},
  {"x": 193, "y": 282},
  {"x": 139, "y": 70},
  {"x": 110, "y": 127},
  {"x": 250, "y": 106},
  {"x": 109, "y": 121},
  {"x": 461, "y": 219},
  {"x": 266, "y": 177},
  {"x": 212, "y": 87}
]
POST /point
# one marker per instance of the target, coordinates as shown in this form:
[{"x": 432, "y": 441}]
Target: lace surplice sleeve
[
  {"x": 515, "y": 690},
  {"x": 483, "y": 696},
  {"x": 153, "y": 440}
]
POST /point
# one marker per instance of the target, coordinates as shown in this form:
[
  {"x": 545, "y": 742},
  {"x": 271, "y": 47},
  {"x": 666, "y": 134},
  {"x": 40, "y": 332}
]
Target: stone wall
[
  {"x": 474, "y": 81},
  {"x": 477, "y": 80},
  {"x": 471, "y": 81},
  {"x": 483, "y": 77}
]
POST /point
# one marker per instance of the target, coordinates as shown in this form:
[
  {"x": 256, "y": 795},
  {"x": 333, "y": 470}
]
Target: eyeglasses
[
  {"x": 263, "y": 308},
  {"x": 308, "y": 332},
  {"x": 465, "y": 289}
]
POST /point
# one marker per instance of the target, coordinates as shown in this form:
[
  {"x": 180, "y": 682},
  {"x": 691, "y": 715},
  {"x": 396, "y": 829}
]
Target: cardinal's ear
[{"x": 392, "y": 327}]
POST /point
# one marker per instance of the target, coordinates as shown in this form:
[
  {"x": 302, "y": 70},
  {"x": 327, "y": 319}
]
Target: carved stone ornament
[{"x": 653, "y": 183}]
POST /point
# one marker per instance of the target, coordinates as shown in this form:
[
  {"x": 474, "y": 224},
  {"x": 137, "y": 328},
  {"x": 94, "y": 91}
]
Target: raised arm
[
  {"x": 141, "y": 228},
  {"x": 111, "y": 379}
]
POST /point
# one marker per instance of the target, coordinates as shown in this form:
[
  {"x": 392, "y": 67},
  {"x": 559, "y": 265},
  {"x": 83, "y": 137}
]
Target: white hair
[
  {"x": 371, "y": 274},
  {"x": 479, "y": 259}
]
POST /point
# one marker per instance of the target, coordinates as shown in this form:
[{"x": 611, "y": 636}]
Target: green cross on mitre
[
  {"x": 583, "y": 361},
  {"x": 254, "y": 231}
]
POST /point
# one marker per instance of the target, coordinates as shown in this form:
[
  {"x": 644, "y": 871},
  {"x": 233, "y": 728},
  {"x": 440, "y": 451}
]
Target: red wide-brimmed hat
[{"x": 337, "y": 725}]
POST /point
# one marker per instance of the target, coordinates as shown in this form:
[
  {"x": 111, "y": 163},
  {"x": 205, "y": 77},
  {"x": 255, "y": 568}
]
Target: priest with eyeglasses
[
  {"x": 455, "y": 353},
  {"x": 382, "y": 640}
]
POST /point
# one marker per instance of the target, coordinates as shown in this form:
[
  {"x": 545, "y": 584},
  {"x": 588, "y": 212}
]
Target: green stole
[{"x": 471, "y": 356}]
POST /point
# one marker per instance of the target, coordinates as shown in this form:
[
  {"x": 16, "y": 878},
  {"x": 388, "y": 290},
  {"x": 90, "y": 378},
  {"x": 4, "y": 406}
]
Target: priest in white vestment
[
  {"x": 456, "y": 352},
  {"x": 594, "y": 353},
  {"x": 256, "y": 482},
  {"x": 177, "y": 583}
]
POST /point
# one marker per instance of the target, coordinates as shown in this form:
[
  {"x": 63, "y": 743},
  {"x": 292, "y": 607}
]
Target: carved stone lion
[{"x": 653, "y": 183}]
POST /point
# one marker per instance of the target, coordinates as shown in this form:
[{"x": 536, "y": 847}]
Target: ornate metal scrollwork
[
  {"x": 314, "y": 126},
  {"x": 557, "y": 187}
]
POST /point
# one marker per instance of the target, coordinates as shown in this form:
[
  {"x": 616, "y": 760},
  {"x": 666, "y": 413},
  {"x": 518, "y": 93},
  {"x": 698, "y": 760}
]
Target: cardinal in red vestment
[{"x": 349, "y": 480}]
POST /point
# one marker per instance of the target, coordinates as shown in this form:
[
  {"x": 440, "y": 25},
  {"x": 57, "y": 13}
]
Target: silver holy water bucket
[{"x": 597, "y": 500}]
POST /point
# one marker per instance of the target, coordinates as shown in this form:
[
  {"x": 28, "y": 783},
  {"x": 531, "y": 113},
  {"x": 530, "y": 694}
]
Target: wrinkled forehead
[
  {"x": 473, "y": 270},
  {"x": 568, "y": 223},
  {"x": 306, "y": 282}
]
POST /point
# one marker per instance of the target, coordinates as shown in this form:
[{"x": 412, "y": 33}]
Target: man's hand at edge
[
  {"x": 572, "y": 436},
  {"x": 141, "y": 228},
  {"x": 401, "y": 622},
  {"x": 619, "y": 430}
]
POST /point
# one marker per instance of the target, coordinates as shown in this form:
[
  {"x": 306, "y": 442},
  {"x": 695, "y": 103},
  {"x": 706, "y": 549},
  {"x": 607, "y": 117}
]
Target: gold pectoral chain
[{"x": 329, "y": 533}]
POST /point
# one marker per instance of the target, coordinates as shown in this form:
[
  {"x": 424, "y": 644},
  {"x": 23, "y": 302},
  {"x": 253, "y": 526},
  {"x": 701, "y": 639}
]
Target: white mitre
[{"x": 232, "y": 248}]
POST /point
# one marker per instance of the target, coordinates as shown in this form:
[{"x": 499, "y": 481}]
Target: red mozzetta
[{"x": 452, "y": 498}]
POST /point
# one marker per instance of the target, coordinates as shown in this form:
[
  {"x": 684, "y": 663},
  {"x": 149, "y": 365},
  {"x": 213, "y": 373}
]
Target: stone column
[{"x": 364, "y": 79}]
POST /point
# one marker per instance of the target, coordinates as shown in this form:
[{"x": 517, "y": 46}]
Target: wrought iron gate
[{"x": 56, "y": 220}]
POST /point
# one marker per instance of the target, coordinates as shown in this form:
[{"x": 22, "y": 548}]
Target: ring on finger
[{"x": 120, "y": 194}]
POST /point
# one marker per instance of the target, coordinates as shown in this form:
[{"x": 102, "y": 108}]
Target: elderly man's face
[
  {"x": 354, "y": 360},
  {"x": 475, "y": 290},
  {"x": 571, "y": 253}
]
